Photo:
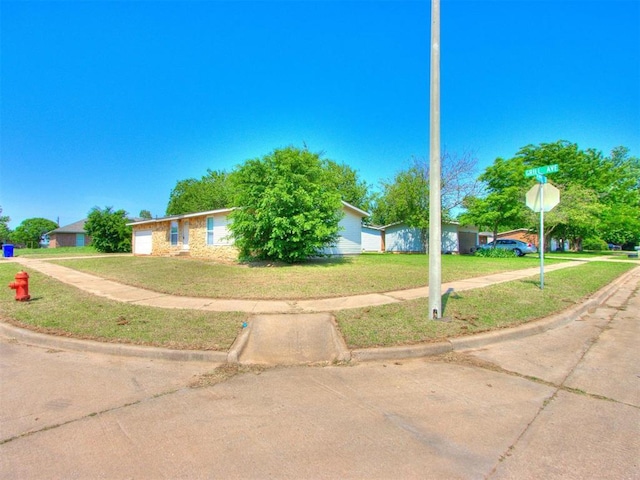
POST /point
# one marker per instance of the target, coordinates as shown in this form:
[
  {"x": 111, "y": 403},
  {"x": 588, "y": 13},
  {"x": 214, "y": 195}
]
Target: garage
[
  {"x": 467, "y": 241},
  {"x": 142, "y": 243}
]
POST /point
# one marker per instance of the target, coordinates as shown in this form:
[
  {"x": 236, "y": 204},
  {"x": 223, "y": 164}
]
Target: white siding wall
[
  {"x": 401, "y": 238},
  {"x": 371, "y": 239},
  {"x": 450, "y": 238},
  {"x": 350, "y": 231}
]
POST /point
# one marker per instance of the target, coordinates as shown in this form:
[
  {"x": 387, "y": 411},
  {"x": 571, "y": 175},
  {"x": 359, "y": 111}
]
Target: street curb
[
  {"x": 239, "y": 344},
  {"x": 366, "y": 354},
  {"x": 43, "y": 340},
  {"x": 511, "y": 333}
]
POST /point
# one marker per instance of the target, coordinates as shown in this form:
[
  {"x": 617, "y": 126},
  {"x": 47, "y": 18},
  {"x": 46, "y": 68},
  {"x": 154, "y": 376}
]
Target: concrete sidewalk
[
  {"x": 564, "y": 405},
  {"x": 295, "y": 332},
  {"x": 139, "y": 296}
]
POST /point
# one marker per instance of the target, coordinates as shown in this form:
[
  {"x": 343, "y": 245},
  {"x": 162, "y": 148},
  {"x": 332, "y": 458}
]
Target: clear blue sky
[{"x": 110, "y": 103}]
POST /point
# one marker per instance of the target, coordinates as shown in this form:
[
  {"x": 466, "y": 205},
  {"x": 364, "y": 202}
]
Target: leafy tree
[
  {"x": 406, "y": 197},
  {"x": 5, "y": 231},
  {"x": 344, "y": 180},
  {"x": 599, "y": 196},
  {"x": 108, "y": 230},
  {"x": 502, "y": 206},
  {"x": 288, "y": 210},
  {"x": 620, "y": 216},
  {"x": 211, "y": 192},
  {"x": 146, "y": 214},
  {"x": 576, "y": 217},
  {"x": 30, "y": 231}
]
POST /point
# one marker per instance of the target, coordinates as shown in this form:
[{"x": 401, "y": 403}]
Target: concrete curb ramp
[
  {"x": 275, "y": 338},
  {"x": 287, "y": 339}
]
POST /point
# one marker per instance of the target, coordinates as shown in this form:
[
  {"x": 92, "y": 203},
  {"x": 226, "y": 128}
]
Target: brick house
[
  {"x": 522, "y": 234},
  {"x": 72, "y": 235},
  {"x": 206, "y": 235}
]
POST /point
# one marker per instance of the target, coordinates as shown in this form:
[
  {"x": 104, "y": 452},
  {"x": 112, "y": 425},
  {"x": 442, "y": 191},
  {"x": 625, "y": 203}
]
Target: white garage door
[{"x": 142, "y": 242}]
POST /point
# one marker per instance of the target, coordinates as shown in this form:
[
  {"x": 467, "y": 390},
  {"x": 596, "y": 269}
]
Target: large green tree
[
  {"x": 620, "y": 199},
  {"x": 347, "y": 183},
  {"x": 287, "y": 209},
  {"x": 405, "y": 198},
  {"x": 31, "y": 230},
  {"x": 211, "y": 192},
  {"x": 576, "y": 217},
  {"x": 108, "y": 230},
  {"x": 598, "y": 195},
  {"x": 502, "y": 205},
  {"x": 5, "y": 231}
]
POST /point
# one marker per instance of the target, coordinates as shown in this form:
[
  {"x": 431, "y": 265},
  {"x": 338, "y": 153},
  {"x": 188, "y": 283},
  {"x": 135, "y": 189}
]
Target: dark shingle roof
[{"x": 77, "y": 227}]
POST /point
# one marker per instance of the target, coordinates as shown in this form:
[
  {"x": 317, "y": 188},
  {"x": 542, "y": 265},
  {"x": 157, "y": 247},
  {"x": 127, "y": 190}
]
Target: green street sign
[{"x": 533, "y": 172}]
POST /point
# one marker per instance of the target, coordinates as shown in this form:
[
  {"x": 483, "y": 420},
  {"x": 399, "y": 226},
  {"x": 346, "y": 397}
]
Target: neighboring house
[
  {"x": 485, "y": 237},
  {"x": 72, "y": 235},
  {"x": 400, "y": 238},
  {"x": 522, "y": 234},
  {"x": 207, "y": 235},
  {"x": 526, "y": 235},
  {"x": 372, "y": 238}
]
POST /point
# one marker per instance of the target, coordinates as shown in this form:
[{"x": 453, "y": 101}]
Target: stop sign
[{"x": 550, "y": 197}]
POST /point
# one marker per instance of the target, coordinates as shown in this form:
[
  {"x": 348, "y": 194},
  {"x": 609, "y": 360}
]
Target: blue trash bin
[{"x": 7, "y": 250}]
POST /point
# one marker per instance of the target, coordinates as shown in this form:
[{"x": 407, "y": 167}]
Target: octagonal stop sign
[{"x": 550, "y": 197}]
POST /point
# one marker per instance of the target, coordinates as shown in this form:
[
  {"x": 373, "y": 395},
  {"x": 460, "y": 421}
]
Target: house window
[
  {"x": 173, "y": 237},
  {"x": 209, "y": 230}
]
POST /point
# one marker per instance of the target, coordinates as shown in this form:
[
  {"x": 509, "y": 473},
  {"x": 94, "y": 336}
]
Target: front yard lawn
[
  {"x": 60, "y": 309},
  {"x": 498, "y": 306},
  {"x": 369, "y": 273}
]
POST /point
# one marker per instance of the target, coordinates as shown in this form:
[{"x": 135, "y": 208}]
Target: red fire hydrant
[{"x": 21, "y": 286}]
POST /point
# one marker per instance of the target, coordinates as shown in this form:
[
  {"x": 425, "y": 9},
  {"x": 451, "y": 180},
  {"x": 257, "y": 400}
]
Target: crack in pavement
[
  {"x": 558, "y": 388},
  {"x": 89, "y": 415}
]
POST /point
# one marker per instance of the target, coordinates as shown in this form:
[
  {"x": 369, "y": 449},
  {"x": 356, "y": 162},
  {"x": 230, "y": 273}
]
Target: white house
[
  {"x": 400, "y": 238},
  {"x": 207, "y": 234},
  {"x": 372, "y": 239}
]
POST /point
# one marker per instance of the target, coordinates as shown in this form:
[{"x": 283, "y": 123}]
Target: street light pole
[{"x": 435, "y": 202}]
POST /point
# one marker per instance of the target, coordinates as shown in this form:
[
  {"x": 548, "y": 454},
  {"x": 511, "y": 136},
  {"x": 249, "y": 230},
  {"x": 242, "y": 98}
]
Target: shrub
[
  {"x": 594, "y": 243},
  {"x": 494, "y": 253}
]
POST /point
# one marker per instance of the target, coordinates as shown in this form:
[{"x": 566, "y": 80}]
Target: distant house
[
  {"x": 400, "y": 238},
  {"x": 207, "y": 235},
  {"x": 72, "y": 235},
  {"x": 522, "y": 234},
  {"x": 526, "y": 235}
]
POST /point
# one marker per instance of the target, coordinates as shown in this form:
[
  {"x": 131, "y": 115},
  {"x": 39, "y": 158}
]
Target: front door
[{"x": 185, "y": 235}]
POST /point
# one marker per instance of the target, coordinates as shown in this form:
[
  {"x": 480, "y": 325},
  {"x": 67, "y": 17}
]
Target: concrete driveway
[{"x": 561, "y": 404}]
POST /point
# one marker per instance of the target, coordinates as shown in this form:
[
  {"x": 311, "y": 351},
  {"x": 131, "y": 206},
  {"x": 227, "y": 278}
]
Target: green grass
[
  {"x": 60, "y": 309},
  {"x": 318, "y": 279},
  {"x": 478, "y": 310},
  {"x": 55, "y": 252},
  {"x": 607, "y": 254}
]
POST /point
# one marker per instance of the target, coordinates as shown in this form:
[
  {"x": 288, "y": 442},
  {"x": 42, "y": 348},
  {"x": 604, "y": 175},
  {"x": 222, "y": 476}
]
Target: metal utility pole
[{"x": 435, "y": 202}]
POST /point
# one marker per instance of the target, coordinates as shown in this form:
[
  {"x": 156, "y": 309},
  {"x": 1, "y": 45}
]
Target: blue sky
[{"x": 110, "y": 103}]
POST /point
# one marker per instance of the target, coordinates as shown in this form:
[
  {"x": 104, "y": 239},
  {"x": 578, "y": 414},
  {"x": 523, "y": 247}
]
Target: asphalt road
[{"x": 561, "y": 404}]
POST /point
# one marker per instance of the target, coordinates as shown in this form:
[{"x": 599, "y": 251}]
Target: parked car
[
  {"x": 518, "y": 247},
  {"x": 614, "y": 247}
]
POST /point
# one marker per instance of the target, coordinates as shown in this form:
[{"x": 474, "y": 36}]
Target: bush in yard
[
  {"x": 108, "y": 230},
  {"x": 289, "y": 208},
  {"x": 594, "y": 243},
  {"x": 494, "y": 253}
]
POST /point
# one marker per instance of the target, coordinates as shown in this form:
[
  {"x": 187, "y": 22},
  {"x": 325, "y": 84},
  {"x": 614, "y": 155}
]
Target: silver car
[{"x": 518, "y": 247}]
